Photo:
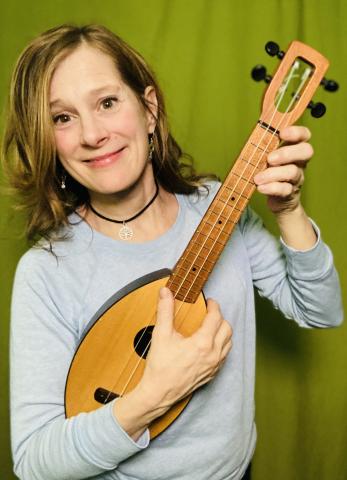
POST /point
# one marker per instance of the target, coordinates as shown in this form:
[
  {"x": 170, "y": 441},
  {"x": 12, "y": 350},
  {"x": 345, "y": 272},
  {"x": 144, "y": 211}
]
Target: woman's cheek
[{"x": 65, "y": 142}]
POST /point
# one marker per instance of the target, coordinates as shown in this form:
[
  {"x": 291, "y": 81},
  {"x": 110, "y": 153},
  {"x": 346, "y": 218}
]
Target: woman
[{"x": 110, "y": 200}]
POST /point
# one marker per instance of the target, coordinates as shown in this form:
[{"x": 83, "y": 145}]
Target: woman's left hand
[{"x": 283, "y": 178}]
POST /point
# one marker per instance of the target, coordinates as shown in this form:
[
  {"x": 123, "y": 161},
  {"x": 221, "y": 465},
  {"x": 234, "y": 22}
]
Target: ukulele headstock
[{"x": 293, "y": 85}]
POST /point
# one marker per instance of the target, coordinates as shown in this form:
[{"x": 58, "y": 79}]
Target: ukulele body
[{"x": 110, "y": 358}]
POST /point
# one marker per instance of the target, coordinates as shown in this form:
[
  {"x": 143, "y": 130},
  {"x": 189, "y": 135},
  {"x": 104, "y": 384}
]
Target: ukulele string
[{"x": 284, "y": 89}]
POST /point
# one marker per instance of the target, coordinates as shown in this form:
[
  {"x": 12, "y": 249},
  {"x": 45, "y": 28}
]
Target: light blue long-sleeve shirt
[{"x": 54, "y": 298}]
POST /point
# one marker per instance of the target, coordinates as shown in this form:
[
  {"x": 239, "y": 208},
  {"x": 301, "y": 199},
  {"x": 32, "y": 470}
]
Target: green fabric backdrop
[{"x": 203, "y": 51}]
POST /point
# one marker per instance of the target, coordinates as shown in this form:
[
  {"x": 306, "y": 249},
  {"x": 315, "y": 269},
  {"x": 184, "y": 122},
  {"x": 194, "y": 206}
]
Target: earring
[
  {"x": 62, "y": 182},
  {"x": 151, "y": 147}
]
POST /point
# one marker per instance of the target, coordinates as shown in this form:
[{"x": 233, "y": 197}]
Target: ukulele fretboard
[{"x": 200, "y": 256}]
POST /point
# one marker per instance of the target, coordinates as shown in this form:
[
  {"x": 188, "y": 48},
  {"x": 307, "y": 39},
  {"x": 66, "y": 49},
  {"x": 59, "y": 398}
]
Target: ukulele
[{"x": 110, "y": 359}]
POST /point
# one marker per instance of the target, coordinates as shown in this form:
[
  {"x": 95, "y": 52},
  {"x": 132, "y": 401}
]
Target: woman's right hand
[
  {"x": 178, "y": 365},
  {"x": 175, "y": 365}
]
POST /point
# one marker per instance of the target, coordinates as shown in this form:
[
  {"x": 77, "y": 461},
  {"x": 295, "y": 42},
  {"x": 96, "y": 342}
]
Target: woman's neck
[{"x": 151, "y": 223}]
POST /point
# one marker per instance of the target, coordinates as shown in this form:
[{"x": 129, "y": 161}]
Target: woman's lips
[{"x": 105, "y": 160}]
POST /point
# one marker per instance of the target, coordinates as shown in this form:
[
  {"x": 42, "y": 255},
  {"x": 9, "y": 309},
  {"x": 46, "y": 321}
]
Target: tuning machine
[
  {"x": 329, "y": 85},
  {"x": 259, "y": 71},
  {"x": 317, "y": 109},
  {"x": 273, "y": 49}
]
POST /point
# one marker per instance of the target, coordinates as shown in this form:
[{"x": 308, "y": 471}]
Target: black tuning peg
[
  {"x": 329, "y": 85},
  {"x": 259, "y": 73},
  {"x": 317, "y": 109},
  {"x": 273, "y": 49}
]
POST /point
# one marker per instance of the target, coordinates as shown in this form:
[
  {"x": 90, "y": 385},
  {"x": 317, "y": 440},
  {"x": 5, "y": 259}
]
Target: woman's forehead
[{"x": 86, "y": 69}]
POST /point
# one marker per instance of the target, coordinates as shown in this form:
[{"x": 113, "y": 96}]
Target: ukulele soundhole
[
  {"x": 104, "y": 396},
  {"x": 142, "y": 341}
]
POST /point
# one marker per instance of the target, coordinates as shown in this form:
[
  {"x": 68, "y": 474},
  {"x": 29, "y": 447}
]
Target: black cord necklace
[{"x": 126, "y": 232}]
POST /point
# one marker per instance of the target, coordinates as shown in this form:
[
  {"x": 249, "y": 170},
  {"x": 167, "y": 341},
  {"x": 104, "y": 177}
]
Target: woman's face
[{"x": 101, "y": 130}]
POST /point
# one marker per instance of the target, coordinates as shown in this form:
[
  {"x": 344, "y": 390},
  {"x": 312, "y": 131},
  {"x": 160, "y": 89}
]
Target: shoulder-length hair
[{"x": 29, "y": 155}]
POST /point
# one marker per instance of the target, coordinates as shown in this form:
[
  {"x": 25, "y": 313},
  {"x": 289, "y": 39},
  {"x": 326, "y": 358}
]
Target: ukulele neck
[{"x": 201, "y": 254}]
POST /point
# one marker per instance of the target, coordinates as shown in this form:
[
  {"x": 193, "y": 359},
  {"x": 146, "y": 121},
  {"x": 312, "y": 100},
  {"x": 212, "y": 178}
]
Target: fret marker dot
[
  {"x": 232, "y": 198},
  {"x": 219, "y": 221},
  {"x": 193, "y": 269}
]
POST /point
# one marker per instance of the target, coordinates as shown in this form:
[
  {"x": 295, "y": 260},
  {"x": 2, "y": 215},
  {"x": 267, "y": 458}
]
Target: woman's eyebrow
[{"x": 91, "y": 93}]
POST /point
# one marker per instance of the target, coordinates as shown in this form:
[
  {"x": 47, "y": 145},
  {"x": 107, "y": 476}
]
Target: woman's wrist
[
  {"x": 136, "y": 410},
  {"x": 296, "y": 229}
]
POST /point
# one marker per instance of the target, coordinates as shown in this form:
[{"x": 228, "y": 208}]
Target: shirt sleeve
[
  {"x": 45, "y": 444},
  {"x": 304, "y": 285}
]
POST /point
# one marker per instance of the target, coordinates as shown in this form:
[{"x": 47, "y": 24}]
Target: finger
[
  {"x": 223, "y": 335},
  {"x": 285, "y": 173},
  {"x": 226, "y": 349},
  {"x": 300, "y": 152},
  {"x": 165, "y": 312},
  {"x": 213, "y": 318},
  {"x": 278, "y": 189},
  {"x": 295, "y": 133}
]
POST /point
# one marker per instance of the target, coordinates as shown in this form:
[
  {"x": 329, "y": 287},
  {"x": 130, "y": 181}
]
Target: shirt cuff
[
  {"x": 313, "y": 263},
  {"x": 141, "y": 443}
]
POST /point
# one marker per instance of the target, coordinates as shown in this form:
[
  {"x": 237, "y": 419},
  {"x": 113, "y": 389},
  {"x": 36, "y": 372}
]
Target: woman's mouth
[{"x": 105, "y": 160}]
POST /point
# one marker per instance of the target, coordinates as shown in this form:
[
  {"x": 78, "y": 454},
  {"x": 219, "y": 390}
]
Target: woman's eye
[
  {"x": 108, "y": 103},
  {"x": 63, "y": 118}
]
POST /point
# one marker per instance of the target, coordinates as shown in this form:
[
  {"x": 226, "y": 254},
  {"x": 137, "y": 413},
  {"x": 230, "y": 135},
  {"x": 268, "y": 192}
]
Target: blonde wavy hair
[{"x": 29, "y": 155}]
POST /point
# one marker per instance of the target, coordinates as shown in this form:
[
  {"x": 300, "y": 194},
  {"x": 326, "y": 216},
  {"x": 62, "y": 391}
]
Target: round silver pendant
[{"x": 125, "y": 233}]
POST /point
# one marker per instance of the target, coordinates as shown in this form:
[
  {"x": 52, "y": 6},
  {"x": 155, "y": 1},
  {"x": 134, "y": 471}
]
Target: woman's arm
[
  {"x": 282, "y": 182},
  {"x": 299, "y": 276}
]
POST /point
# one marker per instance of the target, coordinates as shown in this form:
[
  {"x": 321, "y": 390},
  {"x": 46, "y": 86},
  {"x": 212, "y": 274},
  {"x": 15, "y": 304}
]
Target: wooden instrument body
[{"x": 106, "y": 357}]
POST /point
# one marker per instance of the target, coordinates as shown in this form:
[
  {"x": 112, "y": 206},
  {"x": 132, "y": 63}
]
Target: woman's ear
[{"x": 150, "y": 98}]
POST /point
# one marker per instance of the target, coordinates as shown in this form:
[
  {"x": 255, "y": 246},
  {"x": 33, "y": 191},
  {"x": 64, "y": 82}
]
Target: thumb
[{"x": 165, "y": 311}]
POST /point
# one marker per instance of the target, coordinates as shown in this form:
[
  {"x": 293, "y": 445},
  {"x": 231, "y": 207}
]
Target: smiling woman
[
  {"x": 63, "y": 105},
  {"x": 88, "y": 148}
]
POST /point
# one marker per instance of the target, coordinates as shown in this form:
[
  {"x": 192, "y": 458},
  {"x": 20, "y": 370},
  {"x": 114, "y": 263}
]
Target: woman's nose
[{"x": 93, "y": 131}]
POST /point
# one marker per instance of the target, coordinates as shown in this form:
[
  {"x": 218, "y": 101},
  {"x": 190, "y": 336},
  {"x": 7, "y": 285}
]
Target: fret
[
  {"x": 255, "y": 168},
  {"x": 258, "y": 147},
  {"x": 225, "y": 226},
  {"x": 196, "y": 259},
  {"x": 218, "y": 218},
  {"x": 187, "y": 287},
  {"x": 208, "y": 244},
  {"x": 186, "y": 298},
  {"x": 254, "y": 157},
  {"x": 247, "y": 160},
  {"x": 188, "y": 279},
  {"x": 241, "y": 186},
  {"x": 244, "y": 170},
  {"x": 242, "y": 177},
  {"x": 227, "y": 196},
  {"x": 197, "y": 249},
  {"x": 186, "y": 290},
  {"x": 214, "y": 235},
  {"x": 224, "y": 210},
  {"x": 232, "y": 190},
  {"x": 186, "y": 265}
]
